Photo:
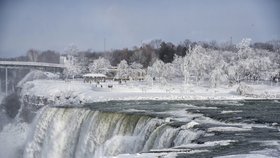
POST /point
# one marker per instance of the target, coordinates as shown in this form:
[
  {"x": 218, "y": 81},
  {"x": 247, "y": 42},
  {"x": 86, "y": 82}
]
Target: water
[
  {"x": 156, "y": 128},
  {"x": 73, "y": 132}
]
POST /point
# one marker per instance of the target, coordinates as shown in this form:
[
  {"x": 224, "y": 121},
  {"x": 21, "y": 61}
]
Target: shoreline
[
  {"x": 75, "y": 93},
  {"x": 85, "y": 104}
]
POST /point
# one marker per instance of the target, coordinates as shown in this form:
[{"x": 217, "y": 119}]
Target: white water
[
  {"x": 82, "y": 133},
  {"x": 12, "y": 139}
]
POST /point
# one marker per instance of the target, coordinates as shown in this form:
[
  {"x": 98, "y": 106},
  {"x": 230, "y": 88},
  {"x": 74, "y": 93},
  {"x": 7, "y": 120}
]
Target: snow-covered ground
[{"x": 77, "y": 92}]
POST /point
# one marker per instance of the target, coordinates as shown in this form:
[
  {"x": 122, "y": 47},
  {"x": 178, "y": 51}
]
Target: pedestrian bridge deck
[{"x": 24, "y": 64}]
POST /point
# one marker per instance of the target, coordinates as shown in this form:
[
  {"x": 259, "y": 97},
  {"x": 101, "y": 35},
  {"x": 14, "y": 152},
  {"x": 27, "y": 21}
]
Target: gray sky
[{"x": 55, "y": 24}]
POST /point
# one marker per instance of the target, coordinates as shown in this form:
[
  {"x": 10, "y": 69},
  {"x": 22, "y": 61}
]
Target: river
[{"x": 156, "y": 128}]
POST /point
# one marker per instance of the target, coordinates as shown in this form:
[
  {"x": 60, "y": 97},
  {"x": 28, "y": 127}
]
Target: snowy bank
[
  {"x": 259, "y": 91},
  {"x": 58, "y": 92}
]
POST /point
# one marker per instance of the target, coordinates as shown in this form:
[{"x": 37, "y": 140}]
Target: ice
[
  {"x": 230, "y": 111},
  {"x": 146, "y": 155},
  {"x": 192, "y": 124},
  {"x": 164, "y": 153},
  {"x": 209, "y": 144}
]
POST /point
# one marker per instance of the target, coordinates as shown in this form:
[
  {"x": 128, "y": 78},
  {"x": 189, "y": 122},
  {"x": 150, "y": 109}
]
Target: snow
[
  {"x": 259, "y": 90},
  {"x": 209, "y": 144},
  {"x": 164, "y": 153},
  {"x": 94, "y": 75},
  {"x": 192, "y": 124},
  {"x": 169, "y": 153},
  {"x": 146, "y": 155},
  {"x": 244, "y": 89},
  {"x": 77, "y": 92},
  {"x": 266, "y": 91},
  {"x": 230, "y": 111}
]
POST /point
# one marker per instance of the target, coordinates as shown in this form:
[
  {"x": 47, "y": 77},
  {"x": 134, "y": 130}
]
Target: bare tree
[{"x": 33, "y": 55}]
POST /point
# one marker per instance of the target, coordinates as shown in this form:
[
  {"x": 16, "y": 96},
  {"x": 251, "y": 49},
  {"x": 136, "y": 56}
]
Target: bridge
[{"x": 29, "y": 65}]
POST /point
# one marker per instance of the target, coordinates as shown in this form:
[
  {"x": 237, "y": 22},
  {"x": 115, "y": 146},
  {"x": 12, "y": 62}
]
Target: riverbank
[{"x": 59, "y": 92}]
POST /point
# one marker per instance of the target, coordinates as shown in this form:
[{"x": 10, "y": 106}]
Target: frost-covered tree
[
  {"x": 244, "y": 45},
  {"x": 249, "y": 64},
  {"x": 156, "y": 70},
  {"x": 239, "y": 66},
  {"x": 100, "y": 65},
  {"x": 185, "y": 68},
  {"x": 72, "y": 68},
  {"x": 217, "y": 76},
  {"x": 177, "y": 66},
  {"x": 123, "y": 71},
  {"x": 198, "y": 62},
  {"x": 135, "y": 70},
  {"x": 233, "y": 74},
  {"x": 168, "y": 72},
  {"x": 259, "y": 68}
]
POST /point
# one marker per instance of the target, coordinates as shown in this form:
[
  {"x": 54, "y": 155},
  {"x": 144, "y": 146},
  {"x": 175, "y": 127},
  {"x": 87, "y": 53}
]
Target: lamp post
[{"x": 6, "y": 81}]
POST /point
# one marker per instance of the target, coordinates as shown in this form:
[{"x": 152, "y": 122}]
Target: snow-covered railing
[{"x": 29, "y": 64}]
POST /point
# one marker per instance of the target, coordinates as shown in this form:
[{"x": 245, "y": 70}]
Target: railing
[
  {"x": 35, "y": 64},
  {"x": 30, "y": 65}
]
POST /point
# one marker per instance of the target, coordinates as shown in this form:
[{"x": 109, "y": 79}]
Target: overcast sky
[{"x": 55, "y": 24}]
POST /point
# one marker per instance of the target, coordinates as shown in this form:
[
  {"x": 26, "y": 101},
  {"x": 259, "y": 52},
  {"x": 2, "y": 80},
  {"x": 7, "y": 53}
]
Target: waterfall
[{"x": 84, "y": 133}]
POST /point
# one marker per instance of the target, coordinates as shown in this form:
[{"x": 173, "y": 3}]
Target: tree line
[
  {"x": 145, "y": 54},
  {"x": 191, "y": 61}
]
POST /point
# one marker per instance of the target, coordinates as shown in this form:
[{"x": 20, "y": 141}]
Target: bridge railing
[
  {"x": 30, "y": 65},
  {"x": 24, "y": 63}
]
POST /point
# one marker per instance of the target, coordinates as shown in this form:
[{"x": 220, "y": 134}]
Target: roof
[{"x": 94, "y": 75}]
